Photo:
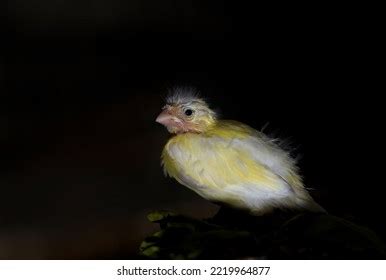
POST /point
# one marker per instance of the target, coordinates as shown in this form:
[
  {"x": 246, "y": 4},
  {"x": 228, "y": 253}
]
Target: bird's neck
[{"x": 201, "y": 126}]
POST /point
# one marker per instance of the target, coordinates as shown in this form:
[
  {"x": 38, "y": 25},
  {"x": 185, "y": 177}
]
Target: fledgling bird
[{"x": 227, "y": 161}]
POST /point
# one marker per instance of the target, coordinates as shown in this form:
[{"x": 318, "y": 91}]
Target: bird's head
[{"x": 185, "y": 112}]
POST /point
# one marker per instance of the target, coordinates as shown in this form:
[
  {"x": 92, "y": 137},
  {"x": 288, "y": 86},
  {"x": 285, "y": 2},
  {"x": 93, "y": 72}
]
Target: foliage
[{"x": 282, "y": 235}]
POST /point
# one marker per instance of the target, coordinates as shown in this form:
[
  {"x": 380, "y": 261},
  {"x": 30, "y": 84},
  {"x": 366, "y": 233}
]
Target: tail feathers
[{"x": 310, "y": 205}]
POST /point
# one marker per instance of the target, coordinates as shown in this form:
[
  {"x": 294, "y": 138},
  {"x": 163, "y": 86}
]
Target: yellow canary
[{"x": 228, "y": 162}]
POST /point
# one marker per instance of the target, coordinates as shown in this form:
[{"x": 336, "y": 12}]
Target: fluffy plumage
[{"x": 228, "y": 162}]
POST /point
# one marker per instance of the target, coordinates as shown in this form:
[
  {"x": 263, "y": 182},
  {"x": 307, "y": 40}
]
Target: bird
[{"x": 228, "y": 162}]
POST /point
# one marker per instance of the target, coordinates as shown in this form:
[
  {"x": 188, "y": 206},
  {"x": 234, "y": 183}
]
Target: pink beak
[{"x": 165, "y": 118}]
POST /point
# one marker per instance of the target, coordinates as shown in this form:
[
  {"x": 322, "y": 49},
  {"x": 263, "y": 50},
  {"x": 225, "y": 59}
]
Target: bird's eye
[{"x": 188, "y": 112}]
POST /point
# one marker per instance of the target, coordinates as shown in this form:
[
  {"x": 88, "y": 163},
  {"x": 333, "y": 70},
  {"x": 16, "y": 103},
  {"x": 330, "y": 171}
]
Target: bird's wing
[
  {"x": 233, "y": 161},
  {"x": 254, "y": 149}
]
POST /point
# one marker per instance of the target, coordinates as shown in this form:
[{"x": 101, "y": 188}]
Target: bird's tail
[{"x": 310, "y": 205}]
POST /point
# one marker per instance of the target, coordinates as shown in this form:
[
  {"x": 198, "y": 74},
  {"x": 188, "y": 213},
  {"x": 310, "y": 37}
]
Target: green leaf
[{"x": 158, "y": 216}]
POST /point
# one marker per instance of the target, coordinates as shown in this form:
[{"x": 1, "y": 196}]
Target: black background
[{"x": 82, "y": 84}]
